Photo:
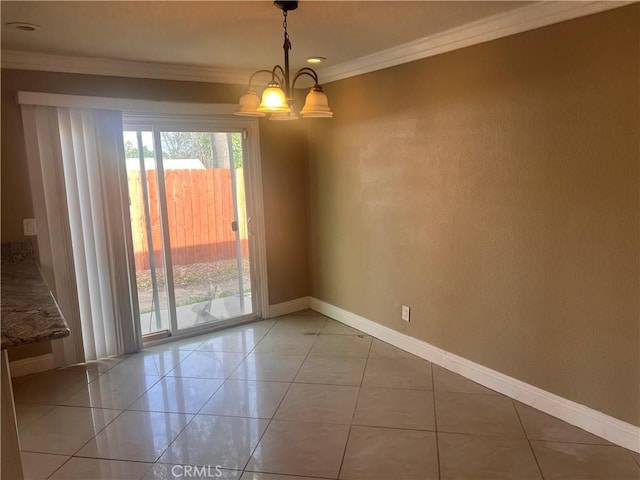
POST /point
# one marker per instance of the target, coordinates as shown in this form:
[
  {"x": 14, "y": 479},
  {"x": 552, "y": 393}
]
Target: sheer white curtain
[{"x": 76, "y": 157}]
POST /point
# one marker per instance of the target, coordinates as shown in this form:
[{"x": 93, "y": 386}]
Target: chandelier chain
[
  {"x": 287, "y": 42},
  {"x": 278, "y": 97}
]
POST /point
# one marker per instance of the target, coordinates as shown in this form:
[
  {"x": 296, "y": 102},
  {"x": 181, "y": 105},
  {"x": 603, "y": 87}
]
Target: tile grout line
[
  {"x": 533, "y": 452},
  {"x": 88, "y": 382},
  {"x": 103, "y": 459},
  {"x": 285, "y": 393},
  {"x": 127, "y": 409},
  {"x": 63, "y": 464},
  {"x": 73, "y": 455},
  {"x": 159, "y": 376},
  {"x": 636, "y": 461},
  {"x": 435, "y": 419},
  {"x": 355, "y": 408},
  {"x": 194, "y": 415}
]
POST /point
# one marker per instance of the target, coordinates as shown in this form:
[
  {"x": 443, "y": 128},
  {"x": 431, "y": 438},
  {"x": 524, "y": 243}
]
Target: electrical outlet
[
  {"x": 29, "y": 226},
  {"x": 406, "y": 313}
]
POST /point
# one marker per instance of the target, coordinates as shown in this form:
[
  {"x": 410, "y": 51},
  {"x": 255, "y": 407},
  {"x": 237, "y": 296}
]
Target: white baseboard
[
  {"x": 291, "y": 306},
  {"x": 26, "y": 366},
  {"x": 593, "y": 421}
]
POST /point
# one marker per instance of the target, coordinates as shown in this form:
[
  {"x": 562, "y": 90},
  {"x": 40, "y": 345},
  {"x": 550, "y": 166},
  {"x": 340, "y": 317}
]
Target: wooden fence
[{"x": 200, "y": 213}]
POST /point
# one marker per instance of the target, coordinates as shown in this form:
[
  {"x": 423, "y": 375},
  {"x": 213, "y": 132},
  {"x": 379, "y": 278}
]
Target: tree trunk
[{"x": 220, "y": 149}]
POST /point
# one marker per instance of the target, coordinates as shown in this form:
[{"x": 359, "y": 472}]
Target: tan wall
[
  {"x": 284, "y": 169},
  {"x": 495, "y": 190},
  {"x": 285, "y": 192}
]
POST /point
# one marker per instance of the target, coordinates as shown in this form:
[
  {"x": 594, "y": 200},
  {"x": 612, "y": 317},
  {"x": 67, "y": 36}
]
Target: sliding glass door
[{"x": 188, "y": 208}]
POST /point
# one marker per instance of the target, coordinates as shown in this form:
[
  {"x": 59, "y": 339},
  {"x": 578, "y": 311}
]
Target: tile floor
[{"x": 299, "y": 397}]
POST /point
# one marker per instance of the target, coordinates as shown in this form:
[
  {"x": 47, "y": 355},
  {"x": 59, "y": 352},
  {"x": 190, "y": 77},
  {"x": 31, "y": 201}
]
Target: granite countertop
[{"x": 29, "y": 312}]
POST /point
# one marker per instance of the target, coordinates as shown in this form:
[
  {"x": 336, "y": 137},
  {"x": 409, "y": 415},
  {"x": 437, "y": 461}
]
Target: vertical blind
[
  {"x": 74, "y": 145},
  {"x": 87, "y": 206}
]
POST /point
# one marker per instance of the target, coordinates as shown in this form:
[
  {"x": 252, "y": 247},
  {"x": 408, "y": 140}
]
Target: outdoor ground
[{"x": 194, "y": 283}]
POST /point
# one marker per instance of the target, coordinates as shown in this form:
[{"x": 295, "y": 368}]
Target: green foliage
[
  {"x": 212, "y": 149},
  {"x": 131, "y": 151},
  {"x": 236, "y": 139},
  {"x": 188, "y": 145}
]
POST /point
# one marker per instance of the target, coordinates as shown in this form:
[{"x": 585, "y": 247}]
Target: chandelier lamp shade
[{"x": 278, "y": 98}]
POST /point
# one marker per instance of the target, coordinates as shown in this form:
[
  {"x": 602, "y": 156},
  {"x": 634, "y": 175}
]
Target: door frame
[
  {"x": 253, "y": 197},
  {"x": 135, "y": 107}
]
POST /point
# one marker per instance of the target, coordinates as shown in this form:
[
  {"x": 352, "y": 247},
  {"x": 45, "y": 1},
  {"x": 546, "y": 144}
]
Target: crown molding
[
  {"x": 522, "y": 19},
  {"x": 19, "y": 60}
]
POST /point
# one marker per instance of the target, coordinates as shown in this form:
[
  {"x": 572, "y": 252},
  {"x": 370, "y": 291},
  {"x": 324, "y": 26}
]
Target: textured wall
[
  {"x": 495, "y": 190},
  {"x": 285, "y": 192},
  {"x": 16, "y": 198},
  {"x": 283, "y": 169}
]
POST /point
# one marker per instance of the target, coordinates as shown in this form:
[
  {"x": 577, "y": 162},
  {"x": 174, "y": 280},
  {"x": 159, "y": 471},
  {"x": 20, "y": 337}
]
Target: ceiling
[
  {"x": 226, "y": 40},
  {"x": 243, "y": 35}
]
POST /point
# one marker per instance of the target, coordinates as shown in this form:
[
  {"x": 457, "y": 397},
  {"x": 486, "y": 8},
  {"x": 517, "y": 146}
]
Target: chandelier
[{"x": 278, "y": 97}]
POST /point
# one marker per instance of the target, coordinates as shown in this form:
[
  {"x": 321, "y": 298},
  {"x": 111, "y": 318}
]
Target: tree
[
  {"x": 131, "y": 151},
  {"x": 220, "y": 148},
  {"x": 211, "y": 148},
  {"x": 182, "y": 145},
  {"x": 236, "y": 139}
]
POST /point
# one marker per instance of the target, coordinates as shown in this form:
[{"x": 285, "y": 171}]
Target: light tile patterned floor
[{"x": 301, "y": 397}]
